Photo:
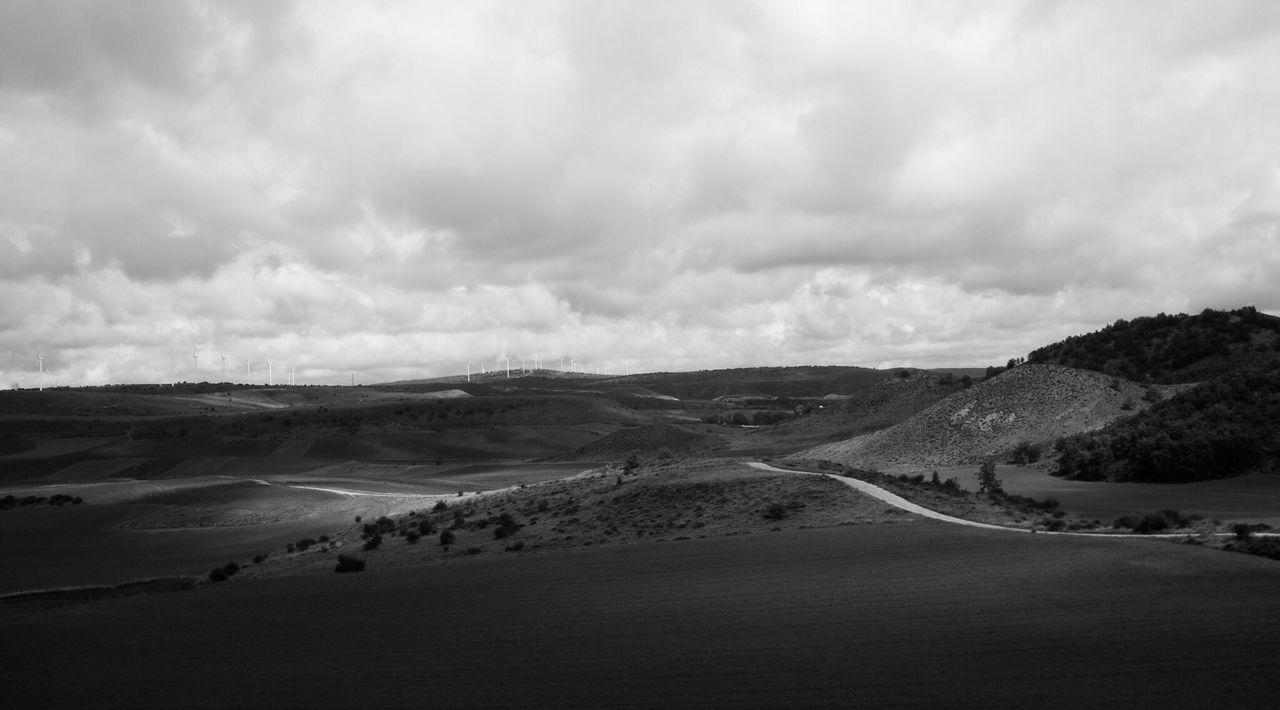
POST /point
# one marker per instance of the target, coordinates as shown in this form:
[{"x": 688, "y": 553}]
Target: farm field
[
  {"x": 238, "y": 508},
  {"x": 903, "y": 615},
  {"x": 1254, "y": 499}
]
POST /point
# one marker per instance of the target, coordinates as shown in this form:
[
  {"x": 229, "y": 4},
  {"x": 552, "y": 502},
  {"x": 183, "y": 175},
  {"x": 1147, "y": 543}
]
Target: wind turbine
[
  {"x": 246, "y": 371},
  {"x": 40, "y": 357},
  {"x": 173, "y": 372},
  {"x": 508, "y": 368},
  {"x": 269, "y": 377},
  {"x": 195, "y": 358},
  {"x": 224, "y": 366},
  {"x": 468, "y": 373}
]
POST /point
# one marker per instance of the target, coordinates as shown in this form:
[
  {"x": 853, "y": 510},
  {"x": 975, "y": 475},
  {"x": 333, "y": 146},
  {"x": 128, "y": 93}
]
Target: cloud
[{"x": 399, "y": 188}]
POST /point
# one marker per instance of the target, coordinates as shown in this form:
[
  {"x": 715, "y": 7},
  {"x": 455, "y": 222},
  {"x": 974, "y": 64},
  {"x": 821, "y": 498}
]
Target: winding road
[
  {"x": 893, "y": 499},
  {"x": 898, "y": 501}
]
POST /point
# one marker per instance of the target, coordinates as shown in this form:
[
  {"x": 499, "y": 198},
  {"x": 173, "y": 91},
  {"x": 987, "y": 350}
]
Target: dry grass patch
[{"x": 677, "y": 501}]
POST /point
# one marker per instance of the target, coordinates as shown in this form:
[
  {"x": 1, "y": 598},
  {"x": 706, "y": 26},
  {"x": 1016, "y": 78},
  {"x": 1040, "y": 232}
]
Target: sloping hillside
[
  {"x": 895, "y": 398},
  {"x": 1222, "y": 428},
  {"x": 650, "y": 440},
  {"x": 1178, "y": 348},
  {"x": 1033, "y": 403}
]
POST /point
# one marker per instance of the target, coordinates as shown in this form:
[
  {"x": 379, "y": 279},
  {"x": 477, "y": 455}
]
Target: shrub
[
  {"x": 347, "y": 563},
  {"x": 1024, "y": 453},
  {"x": 1151, "y": 523},
  {"x": 258, "y": 559},
  {"x": 440, "y": 505},
  {"x": 373, "y": 542},
  {"x": 1242, "y": 531},
  {"x": 1124, "y": 521},
  {"x": 474, "y": 550},
  {"x": 217, "y": 574},
  {"x": 447, "y": 538},
  {"x": 1268, "y": 547},
  {"x": 230, "y": 568},
  {"x": 775, "y": 511},
  {"x": 412, "y": 536},
  {"x": 516, "y": 546},
  {"x": 1162, "y": 520}
]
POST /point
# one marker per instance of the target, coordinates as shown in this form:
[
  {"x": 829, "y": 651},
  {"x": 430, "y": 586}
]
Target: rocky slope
[{"x": 1033, "y": 403}]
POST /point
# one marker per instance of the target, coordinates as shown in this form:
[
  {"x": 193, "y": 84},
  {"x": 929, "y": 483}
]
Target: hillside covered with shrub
[
  {"x": 1224, "y": 427},
  {"x": 994, "y": 418},
  {"x": 1171, "y": 348}
]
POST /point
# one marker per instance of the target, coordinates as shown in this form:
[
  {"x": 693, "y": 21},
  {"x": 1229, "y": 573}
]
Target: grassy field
[
  {"x": 678, "y": 583},
  {"x": 91, "y": 544},
  {"x": 140, "y": 528},
  {"x": 910, "y": 615},
  {"x": 1249, "y": 499}
]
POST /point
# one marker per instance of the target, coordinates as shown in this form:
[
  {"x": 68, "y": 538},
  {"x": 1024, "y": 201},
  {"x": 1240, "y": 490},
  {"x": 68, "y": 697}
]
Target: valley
[{"x": 652, "y": 539}]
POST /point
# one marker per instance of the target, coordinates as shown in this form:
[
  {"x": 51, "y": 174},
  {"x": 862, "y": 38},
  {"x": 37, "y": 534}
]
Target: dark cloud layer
[{"x": 401, "y": 188}]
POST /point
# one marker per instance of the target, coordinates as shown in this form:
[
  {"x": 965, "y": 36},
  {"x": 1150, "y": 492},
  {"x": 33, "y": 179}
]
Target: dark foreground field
[{"x": 914, "y": 614}]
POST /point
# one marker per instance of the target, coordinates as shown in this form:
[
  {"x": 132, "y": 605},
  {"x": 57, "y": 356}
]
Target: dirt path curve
[
  {"x": 892, "y": 499},
  {"x": 899, "y": 502}
]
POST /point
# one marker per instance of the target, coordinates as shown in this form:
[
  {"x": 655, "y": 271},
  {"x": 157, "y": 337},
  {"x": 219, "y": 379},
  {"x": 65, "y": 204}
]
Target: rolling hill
[
  {"x": 652, "y": 439},
  {"x": 1167, "y": 349},
  {"x": 1031, "y": 403},
  {"x": 1225, "y": 427}
]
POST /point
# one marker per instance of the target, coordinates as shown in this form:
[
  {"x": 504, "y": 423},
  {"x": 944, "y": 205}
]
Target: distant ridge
[
  {"x": 648, "y": 440},
  {"x": 800, "y": 381}
]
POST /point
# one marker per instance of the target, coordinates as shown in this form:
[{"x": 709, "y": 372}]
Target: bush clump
[
  {"x": 347, "y": 563},
  {"x": 775, "y": 511},
  {"x": 1268, "y": 547},
  {"x": 223, "y": 573},
  {"x": 1156, "y": 522}
]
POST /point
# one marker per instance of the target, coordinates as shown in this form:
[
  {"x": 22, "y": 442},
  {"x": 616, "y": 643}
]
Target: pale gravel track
[
  {"x": 893, "y": 499},
  {"x": 898, "y": 501}
]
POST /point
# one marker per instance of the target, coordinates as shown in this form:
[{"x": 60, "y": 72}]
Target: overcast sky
[{"x": 397, "y": 189}]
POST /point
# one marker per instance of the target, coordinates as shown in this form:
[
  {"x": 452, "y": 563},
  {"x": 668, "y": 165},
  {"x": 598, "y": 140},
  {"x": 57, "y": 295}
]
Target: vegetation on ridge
[
  {"x": 1221, "y": 428},
  {"x": 1171, "y": 349}
]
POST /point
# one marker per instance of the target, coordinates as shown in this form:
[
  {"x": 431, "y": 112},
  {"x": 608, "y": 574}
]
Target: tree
[{"x": 987, "y": 481}]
